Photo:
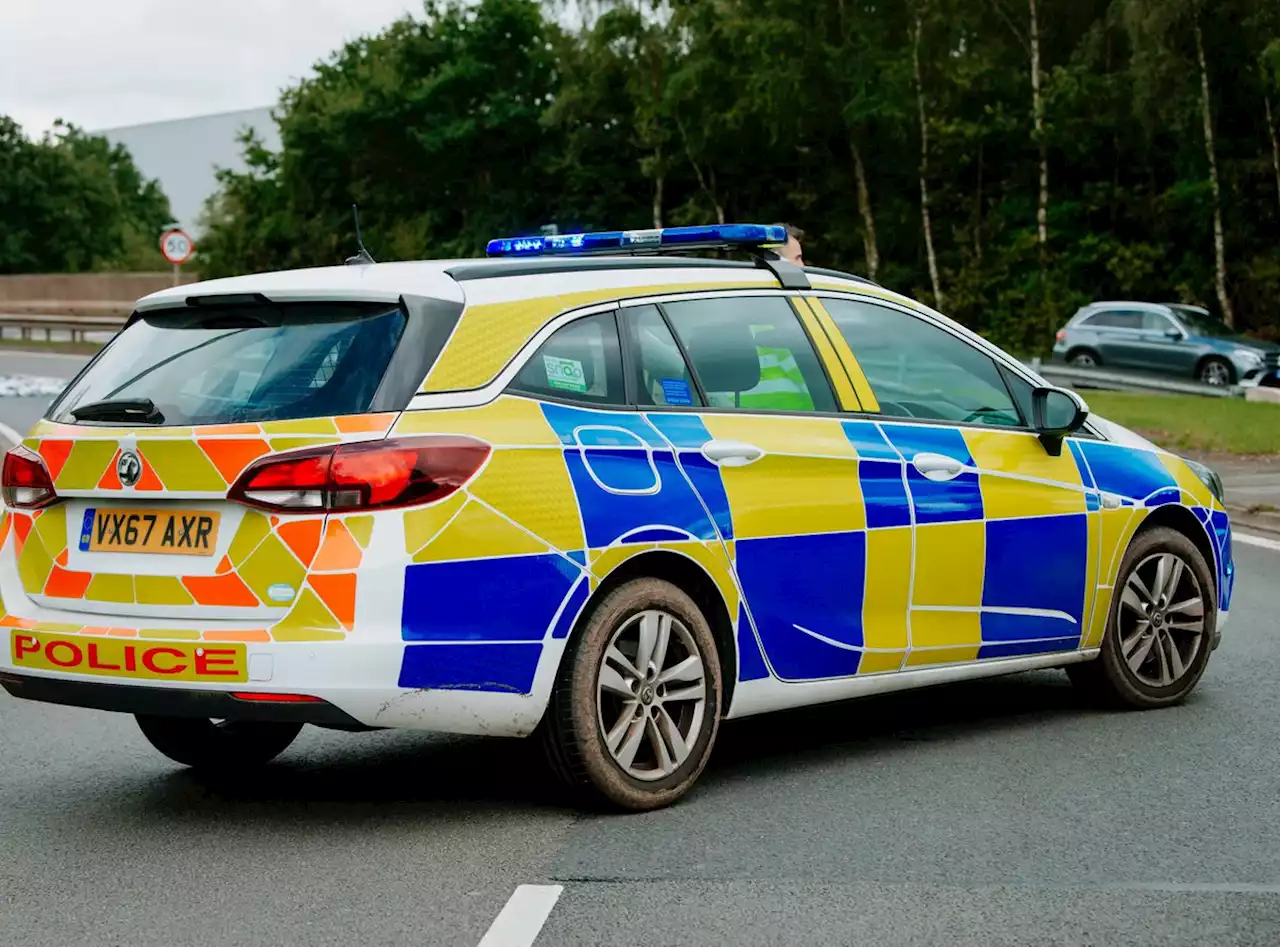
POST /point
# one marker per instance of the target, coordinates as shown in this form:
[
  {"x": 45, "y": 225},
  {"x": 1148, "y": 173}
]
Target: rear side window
[
  {"x": 234, "y": 364},
  {"x": 661, "y": 374},
  {"x": 751, "y": 352},
  {"x": 1114, "y": 319},
  {"x": 580, "y": 362}
]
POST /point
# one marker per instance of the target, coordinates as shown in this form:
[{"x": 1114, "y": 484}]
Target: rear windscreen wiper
[{"x": 139, "y": 410}]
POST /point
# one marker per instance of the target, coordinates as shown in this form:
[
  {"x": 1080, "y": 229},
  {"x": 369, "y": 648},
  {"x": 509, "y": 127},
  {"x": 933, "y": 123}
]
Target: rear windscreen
[{"x": 250, "y": 363}]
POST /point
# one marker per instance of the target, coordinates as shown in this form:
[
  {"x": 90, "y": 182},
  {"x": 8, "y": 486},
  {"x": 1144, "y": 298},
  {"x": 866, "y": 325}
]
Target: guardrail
[
  {"x": 75, "y": 326},
  {"x": 1106, "y": 380}
]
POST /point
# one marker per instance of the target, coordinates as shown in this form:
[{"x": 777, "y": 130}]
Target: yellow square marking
[
  {"x": 878, "y": 662},
  {"x": 888, "y": 581},
  {"x": 950, "y": 564},
  {"x": 533, "y": 488},
  {"x": 476, "y": 533},
  {"x": 509, "y": 421},
  {"x": 1003, "y": 497},
  {"x": 964, "y": 654},
  {"x": 813, "y": 436},
  {"x": 931, "y": 629}
]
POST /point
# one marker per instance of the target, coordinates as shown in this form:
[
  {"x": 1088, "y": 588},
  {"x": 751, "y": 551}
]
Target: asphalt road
[{"x": 994, "y": 813}]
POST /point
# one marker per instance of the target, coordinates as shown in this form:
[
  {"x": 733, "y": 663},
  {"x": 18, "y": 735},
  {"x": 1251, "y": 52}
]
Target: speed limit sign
[{"x": 177, "y": 247}]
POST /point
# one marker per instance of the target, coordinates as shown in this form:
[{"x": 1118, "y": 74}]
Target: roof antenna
[{"x": 363, "y": 256}]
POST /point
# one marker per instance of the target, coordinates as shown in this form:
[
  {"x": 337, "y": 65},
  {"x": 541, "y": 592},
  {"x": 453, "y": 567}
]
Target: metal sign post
[{"x": 177, "y": 248}]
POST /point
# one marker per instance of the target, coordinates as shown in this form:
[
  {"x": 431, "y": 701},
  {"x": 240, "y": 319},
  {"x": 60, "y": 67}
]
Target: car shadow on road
[
  {"x": 420, "y": 774},
  {"x": 374, "y": 774},
  {"x": 880, "y": 724}
]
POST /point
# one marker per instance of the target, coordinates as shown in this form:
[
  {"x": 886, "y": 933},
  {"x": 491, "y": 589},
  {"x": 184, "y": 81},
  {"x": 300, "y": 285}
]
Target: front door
[
  {"x": 815, "y": 518},
  {"x": 1005, "y": 533}
]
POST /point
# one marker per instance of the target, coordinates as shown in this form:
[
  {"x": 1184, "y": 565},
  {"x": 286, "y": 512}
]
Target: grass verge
[{"x": 1192, "y": 423}]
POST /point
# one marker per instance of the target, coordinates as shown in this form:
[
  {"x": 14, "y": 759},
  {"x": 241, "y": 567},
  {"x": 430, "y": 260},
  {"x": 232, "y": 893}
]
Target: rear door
[
  {"x": 1006, "y": 534},
  {"x": 146, "y": 443},
  {"x": 791, "y": 484},
  {"x": 1120, "y": 340}
]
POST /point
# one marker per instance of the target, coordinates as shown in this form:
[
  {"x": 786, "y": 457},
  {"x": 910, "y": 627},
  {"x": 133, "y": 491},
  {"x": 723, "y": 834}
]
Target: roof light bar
[{"x": 715, "y": 237}]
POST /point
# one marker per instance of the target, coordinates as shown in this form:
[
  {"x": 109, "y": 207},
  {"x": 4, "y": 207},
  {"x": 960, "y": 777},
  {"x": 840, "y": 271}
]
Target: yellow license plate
[
  {"x": 171, "y": 532},
  {"x": 116, "y": 657}
]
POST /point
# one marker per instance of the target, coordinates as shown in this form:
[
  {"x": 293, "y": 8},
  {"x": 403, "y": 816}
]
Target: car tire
[
  {"x": 1124, "y": 675},
  {"x": 217, "y": 745},
  {"x": 610, "y": 720},
  {"x": 1217, "y": 372},
  {"x": 1084, "y": 358}
]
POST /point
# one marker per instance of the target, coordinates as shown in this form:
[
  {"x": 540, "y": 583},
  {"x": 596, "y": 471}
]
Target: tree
[
  {"x": 924, "y": 157},
  {"x": 72, "y": 202},
  {"x": 434, "y": 127},
  {"x": 849, "y": 118}
]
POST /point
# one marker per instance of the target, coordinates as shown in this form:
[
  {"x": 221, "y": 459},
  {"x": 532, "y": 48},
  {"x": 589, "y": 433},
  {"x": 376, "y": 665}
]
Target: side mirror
[
  {"x": 1055, "y": 413},
  {"x": 1173, "y": 334}
]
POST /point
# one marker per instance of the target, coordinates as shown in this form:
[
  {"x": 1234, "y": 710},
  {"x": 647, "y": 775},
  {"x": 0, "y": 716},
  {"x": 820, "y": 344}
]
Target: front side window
[
  {"x": 580, "y": 362},
  {"x": 919, "y": 370},
  {"x": 1201, "y": 323},
  {"x": 1157, "y": 322},
  {"x": 751, "y": 352}
]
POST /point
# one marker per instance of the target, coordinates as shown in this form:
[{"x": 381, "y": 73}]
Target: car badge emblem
[{"x": 128, "y": 468}]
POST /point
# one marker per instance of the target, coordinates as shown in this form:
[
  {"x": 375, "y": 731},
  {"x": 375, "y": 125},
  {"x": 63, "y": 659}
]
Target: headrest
[{"x": 724, "y": 354}]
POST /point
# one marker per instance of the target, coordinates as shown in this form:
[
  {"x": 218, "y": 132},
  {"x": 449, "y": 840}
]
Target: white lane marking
[
  {"x": 1258, "y": 541},
  {"x": 10, "y": 435},
  {"x": 521, "y": 920}
]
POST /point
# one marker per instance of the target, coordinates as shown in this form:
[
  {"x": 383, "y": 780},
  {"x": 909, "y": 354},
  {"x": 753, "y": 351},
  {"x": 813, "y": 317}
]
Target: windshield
[
  {"x": 242, "y": 364},
  {"x": 1199, "y": 323}
]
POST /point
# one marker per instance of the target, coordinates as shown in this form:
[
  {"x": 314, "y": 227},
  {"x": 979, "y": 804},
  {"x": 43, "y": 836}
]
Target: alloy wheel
[
  {"x": 651, "y": 695},
  {"x": 1161, "y": 620},
  {"x": 1216, "y": 374}
]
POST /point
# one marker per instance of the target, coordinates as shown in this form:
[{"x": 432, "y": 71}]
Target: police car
[{"x": 586, "y": 490}]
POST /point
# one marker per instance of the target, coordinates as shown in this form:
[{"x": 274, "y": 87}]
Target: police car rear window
[{"x": 207, "y": 365}]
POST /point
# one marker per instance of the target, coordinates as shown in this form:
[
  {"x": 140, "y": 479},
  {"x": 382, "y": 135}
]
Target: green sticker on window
[{"x": 566, "y": 374}]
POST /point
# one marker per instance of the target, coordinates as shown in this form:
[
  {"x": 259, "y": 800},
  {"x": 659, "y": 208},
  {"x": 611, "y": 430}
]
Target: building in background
[{"x": 184, "y": 155}]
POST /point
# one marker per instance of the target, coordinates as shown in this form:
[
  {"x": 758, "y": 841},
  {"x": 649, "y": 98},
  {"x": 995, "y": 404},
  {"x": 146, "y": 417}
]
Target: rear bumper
[
  {"x": 357, "y": 683},
  {"x": 171, "y": 702}
]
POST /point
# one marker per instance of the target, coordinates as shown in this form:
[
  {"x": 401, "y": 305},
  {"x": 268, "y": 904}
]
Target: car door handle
[
  {"x": 938, "y": 467},
  {"x": 731, "y": 453}
]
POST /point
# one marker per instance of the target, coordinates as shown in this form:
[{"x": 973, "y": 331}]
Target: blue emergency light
[{"x": 715, "y": 237}]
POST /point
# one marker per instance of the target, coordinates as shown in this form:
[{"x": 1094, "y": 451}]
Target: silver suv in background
[{"x": 1169, "y": 338}]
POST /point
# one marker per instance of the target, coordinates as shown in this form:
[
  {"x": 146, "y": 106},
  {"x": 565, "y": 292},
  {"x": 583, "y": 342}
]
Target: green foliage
[
  {"x": 72, "y": 202},
  {"x": 489, "y": 118}
]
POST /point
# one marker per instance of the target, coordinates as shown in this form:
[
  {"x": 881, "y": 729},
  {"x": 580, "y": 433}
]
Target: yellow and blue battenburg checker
[{"x": 841, "y": 556}]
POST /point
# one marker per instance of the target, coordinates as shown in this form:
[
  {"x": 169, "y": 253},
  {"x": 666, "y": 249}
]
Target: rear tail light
[
  {"x": 1062, "y": 335},
  {"x": 372, "y": 475},
  {"x": 26, "y": 481}
]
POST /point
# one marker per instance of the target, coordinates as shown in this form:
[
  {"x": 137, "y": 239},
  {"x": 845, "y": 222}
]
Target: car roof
[
  {"x": 450, "y": 279},
  {"x": 1123, "y": 304}
]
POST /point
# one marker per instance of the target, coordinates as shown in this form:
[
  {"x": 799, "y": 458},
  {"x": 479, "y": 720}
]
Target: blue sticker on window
[{"x": 676, "y": 391}]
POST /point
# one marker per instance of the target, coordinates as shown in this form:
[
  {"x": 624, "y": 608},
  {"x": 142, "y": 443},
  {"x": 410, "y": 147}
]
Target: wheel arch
[
  {"x": 1208, "y": 357},
  {"x": 1180, "y": 519},
  {"x": 692, "y": 578},
  {"x": 1081, "y": 348}
]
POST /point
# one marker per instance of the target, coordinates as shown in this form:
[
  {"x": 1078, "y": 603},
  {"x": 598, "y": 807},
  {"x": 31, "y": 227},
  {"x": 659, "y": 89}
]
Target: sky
[{"x": 102, "y": 64}]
